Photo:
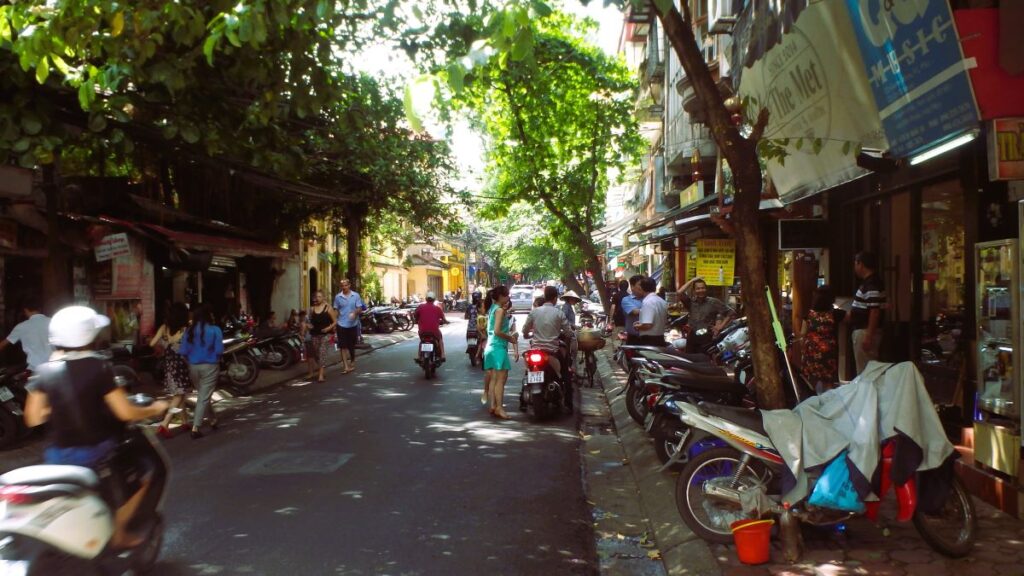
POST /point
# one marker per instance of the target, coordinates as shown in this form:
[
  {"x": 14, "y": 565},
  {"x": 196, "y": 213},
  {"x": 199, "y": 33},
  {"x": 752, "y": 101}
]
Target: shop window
[{"x": 942, "y": 274}]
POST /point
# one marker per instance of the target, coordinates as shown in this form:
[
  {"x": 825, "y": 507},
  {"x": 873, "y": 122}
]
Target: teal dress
[{"x": 496, "y": 351}]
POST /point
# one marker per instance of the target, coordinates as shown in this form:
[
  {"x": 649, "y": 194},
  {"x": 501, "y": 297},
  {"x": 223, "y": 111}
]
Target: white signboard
[
  {"x": 112, "y": 246},
  {"x": 814, "y": 86}
]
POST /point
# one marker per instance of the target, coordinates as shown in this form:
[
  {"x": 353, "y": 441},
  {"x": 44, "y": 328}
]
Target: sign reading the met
[{"x": 916, "y": 69}]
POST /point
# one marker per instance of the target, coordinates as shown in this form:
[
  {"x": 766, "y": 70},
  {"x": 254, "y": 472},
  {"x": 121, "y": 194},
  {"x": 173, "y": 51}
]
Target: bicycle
[{"x": 589, "y": 368}]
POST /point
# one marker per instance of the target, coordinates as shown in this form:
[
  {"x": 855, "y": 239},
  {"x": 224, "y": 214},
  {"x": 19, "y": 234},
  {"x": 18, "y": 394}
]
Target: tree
[{"x": 559, "y": 123}]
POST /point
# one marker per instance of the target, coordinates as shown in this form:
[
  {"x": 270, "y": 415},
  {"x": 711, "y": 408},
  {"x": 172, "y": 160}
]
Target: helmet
[
  {"x": 430, "y": 296},
  {"x": 76, "y": 326}
]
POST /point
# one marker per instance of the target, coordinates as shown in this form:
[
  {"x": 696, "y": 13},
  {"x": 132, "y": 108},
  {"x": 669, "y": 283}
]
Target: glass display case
[{"x": 998, "y": 327}]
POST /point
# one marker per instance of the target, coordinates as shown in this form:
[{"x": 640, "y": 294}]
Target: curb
[{"x": 640, "y": 494}]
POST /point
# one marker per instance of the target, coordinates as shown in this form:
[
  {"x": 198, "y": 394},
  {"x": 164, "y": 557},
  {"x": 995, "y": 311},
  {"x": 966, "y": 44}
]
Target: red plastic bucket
[{"x": 752, "y": 539}]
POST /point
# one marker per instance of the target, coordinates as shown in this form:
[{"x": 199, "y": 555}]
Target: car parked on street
[{"x": 521, "y": 296}]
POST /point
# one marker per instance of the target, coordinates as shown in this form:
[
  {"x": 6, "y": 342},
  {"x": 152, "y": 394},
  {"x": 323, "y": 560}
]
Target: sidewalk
[
  {"x": 863, "y": 548},
  {"x": 30, "y": 450}
]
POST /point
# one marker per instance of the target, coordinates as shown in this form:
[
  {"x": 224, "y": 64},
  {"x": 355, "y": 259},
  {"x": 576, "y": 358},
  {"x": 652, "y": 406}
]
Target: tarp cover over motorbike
[{"x": 886, "y": 401}]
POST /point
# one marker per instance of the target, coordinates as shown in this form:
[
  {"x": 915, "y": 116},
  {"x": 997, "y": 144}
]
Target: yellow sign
[
  {"x": 716, "y": 261},
  {"x": 454, "y": 270},
  {"x": 691, "y": 194}
]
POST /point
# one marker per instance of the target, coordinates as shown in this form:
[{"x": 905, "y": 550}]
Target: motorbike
[
  {"x": 428, "y": 359},
  {"x": 53, "y": 519},
  {"x": 240, "y": 363},
  {"x": 12, "y": 404},
  {"x": 544, "y": 391},
  {"x": 472, "y": 342},
  {"x": 710, "y": 486},
  {"x": 279, "y": 348},
  {"x": 378, "y": 319}
]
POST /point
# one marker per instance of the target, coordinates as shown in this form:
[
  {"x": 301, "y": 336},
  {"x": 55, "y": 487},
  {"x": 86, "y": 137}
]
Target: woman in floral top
[{"x": 820, "y": 357}]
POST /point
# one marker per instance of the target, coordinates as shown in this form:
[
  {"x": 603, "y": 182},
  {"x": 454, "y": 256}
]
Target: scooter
[
  {"x": 472, "y": 342},
  {"x": 53, "y": 519},
  {"x": 12, "y": 404},
  {"x": 428, "y": 359},
  {"x": 240, "y": 363},
  {"x": 544, "y": 391}
]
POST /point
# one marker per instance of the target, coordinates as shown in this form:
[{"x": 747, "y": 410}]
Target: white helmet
[
  {"x": 430, "y": 296},
  {"x": 76, "y": 326}
]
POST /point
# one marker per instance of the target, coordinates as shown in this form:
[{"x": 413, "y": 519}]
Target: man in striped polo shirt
[{"x": 866, "y": 312}]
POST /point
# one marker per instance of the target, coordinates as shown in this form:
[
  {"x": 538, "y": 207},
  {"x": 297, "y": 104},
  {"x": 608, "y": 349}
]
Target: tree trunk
[
  {"x": 741, "y": 154},
  {"x": 590, "y": 252},
  {"x": 355, "y": 215},
  {"x": 56, "y": 292}
]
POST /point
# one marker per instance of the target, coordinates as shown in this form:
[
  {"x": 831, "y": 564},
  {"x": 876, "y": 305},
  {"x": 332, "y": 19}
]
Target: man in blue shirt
[
  {"x": 631, "y": 309},
  {"x": 348, "y": 304}
]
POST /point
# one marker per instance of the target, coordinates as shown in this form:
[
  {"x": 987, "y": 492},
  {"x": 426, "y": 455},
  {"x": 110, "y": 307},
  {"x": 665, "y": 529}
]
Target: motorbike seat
[
  {"x": 46, "y": 474},
  {"x": 697, "y": 382},
  {"x": 749, "y": 419},
  {"x": 702, "y": 368}
]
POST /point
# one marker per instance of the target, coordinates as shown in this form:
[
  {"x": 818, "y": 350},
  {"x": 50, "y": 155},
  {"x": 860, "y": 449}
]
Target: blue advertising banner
[{"x": 915, "y": 66}]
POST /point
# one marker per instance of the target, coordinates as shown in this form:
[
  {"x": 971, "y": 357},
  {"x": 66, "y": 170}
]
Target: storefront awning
[{"x": 220, "y": 245}]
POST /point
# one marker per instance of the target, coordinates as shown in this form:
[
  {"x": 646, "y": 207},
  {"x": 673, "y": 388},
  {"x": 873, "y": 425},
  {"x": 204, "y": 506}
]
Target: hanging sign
[
  {"x": 912, "y": 56},
  {"x": 112, "y": 246},
  {"x": 1006, "y": 149},
  {"x": 716, "y": 260}
]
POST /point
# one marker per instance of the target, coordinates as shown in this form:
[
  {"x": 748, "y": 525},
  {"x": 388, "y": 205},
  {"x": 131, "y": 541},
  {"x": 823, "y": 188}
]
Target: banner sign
[
  {"x": 1006, "y": 149},
  {"x": 914, "y": 64},
  {"x": 716, "y": 260},
  {"x": 820, "y": 106},
  {"x": 112, "y": 246}
]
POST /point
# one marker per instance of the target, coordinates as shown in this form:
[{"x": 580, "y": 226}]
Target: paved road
[{"x": 381, "y": 472}]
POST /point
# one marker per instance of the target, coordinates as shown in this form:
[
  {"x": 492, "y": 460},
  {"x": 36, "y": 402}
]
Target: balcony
[{"x": 638, "y": 22}]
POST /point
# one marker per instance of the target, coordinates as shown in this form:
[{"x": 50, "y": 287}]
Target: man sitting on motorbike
[
  {"x": 75, "y": 391},
  {"x": 547, "y": 326},
  {"x": 429, "y": 316}
]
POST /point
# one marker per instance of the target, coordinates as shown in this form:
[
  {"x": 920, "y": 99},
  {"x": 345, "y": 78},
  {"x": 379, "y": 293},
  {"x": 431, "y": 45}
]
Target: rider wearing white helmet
[{"x": 75, "y": 391}]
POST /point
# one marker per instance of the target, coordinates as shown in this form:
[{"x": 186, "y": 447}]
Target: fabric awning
[{"x": 221, "y": 245}]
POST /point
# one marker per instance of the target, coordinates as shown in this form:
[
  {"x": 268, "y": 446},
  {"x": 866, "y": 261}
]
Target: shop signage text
[
  {"x": 691, "y": 194},
  {"x": 1006, "y": 149},
  {"x": 716, "y": 260},
  {"x": 915, "y": 66},
  {"x": 112, "y": 246}
]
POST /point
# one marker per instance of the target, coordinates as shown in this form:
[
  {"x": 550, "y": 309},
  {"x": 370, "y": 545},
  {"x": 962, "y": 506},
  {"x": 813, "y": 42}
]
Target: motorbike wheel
[
  {"x": 636, "y": 404},
  {"x": 148, "y": 553},
  {"x": 242, "y": 370},
  {"x": 428, "y": 368},
  {"x": 472, "y": 358},
  {"x": 950, "y": 531},
  {"x": 9, "y": 429},
  {"x": 279, "y": 356},
  {"x": 540, "y": 407},
  {"x": 404, "y": 323},
  {"x": 708, "y": 518},
  {"x": 386, "y": 325}
]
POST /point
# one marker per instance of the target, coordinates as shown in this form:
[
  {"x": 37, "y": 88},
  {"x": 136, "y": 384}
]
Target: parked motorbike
[
  {"x": 544, "y": 391},
  {"x": 12, "y": 404},
  {"x": 378, "y": 319},
  {"x": 709, "y": 488},
  {"x": 240, "y": 364},
  {"x": 53, "y": 519},
  {"x": 279, "y": 348},
  {"x": 428, "y": 358}
]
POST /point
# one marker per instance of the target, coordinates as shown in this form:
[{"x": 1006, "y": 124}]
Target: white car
[{"x": 521, "y": 296}]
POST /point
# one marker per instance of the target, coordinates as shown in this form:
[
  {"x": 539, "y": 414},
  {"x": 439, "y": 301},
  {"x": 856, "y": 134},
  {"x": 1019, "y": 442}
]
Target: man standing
[
  {"x": 705, "y": 311},
  {"x": 653, "y": 314},
  {"x": 348, "y": 304},
  {"x": 631, "y": 309},
  {"x": 33, "y": 333},
  {"x": 429, "y": 317},
  {"x": 866, "y": 311}
]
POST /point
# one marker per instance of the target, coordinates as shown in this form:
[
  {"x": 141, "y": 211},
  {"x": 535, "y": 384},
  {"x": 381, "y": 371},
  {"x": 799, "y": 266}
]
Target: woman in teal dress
[{"x": 496, "y": 362}]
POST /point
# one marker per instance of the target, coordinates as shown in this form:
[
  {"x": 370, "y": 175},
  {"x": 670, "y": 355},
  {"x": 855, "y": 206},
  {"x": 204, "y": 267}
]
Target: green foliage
[{"x": 372, "y": 290}]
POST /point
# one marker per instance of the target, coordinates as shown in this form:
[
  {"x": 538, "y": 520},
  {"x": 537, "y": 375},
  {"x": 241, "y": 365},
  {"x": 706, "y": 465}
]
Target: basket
[{"x": 589, "y": 340}]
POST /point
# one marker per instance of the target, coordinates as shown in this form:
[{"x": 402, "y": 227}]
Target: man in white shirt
[
  {"x": 34, "y": 335},
  {"x": 653, "y": 315}
]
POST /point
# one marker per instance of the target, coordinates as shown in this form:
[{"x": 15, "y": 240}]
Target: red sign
[
  {"x": 1006, "y": 149},
  {"x": 997, "y": 92}
]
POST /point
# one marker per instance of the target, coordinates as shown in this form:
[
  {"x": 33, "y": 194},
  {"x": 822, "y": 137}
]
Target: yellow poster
[{"x": 716, "y": 260}]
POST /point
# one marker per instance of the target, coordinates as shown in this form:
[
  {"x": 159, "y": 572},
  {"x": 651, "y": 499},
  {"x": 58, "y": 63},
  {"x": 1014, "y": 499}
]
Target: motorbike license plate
[
  {"x": 471, "y": 342},
  {"x": 426, "y": 347},
  {"x": 257, "y": 352},
  {"x": 5, "y": 394},
  {"x": 535, "y": 377}
]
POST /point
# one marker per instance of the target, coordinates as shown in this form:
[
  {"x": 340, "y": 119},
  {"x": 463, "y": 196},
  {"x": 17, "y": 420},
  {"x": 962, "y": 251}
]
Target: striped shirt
[{"x": 870, "y": 295}]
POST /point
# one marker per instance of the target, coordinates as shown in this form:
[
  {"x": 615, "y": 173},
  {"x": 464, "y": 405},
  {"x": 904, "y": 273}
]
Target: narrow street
[{"x": 380, "y": 472}]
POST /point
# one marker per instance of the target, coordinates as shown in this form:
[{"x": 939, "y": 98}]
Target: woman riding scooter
[{"x": 75, "y": 391}]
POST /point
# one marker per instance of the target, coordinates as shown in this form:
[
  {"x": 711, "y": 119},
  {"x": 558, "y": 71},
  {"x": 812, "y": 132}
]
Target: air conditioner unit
[{"x": 722, "y": 15}]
